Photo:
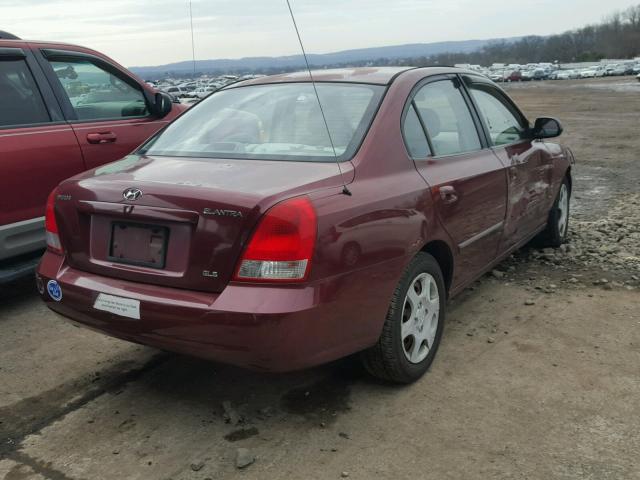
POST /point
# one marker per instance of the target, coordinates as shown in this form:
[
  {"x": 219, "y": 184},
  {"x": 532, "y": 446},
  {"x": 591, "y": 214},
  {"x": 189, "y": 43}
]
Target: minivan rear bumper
[
  {"x": 254, "y": 326},
  {"x": 22, "y": 237}
]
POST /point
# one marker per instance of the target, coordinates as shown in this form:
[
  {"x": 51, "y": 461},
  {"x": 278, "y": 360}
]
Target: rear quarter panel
[{"x": 376, "y": 231}]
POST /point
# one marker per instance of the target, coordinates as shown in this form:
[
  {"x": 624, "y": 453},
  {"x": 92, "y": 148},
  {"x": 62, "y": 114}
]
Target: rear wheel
[
  {"x": 555, "y": 234},
  {"x": 413, "y": 327}
]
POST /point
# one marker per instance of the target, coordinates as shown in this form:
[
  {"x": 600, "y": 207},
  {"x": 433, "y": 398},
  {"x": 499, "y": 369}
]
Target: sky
[{"x": 156, "y": 32}]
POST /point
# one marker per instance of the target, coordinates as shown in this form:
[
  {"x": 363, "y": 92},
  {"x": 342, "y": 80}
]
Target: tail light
[
  {"x": 51, "y": 226},
  {"x": 281, "y": 248}
]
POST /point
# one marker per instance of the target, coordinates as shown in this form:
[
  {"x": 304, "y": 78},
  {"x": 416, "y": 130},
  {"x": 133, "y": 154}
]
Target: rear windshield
[{"x": 273, "y": 122}]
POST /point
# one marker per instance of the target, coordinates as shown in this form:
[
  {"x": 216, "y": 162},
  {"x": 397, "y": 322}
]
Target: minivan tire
[{"x": 388, "y": 359}]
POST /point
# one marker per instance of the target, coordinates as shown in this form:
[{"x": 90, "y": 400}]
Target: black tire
[
  {"x": 387, "y": 360},
  {"x": 553, "y": 236}
]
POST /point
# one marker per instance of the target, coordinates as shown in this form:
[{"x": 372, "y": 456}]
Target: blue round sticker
[{"x": 54, "y": 290}]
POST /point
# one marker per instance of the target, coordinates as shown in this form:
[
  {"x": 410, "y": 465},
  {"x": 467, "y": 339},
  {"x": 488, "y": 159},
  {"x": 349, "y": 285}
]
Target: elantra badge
[
  {"x": 132, "y": 194},
  {"x": 218, "y": 212}
]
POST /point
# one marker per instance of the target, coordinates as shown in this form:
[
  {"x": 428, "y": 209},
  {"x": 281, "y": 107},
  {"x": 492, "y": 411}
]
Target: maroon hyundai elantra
[{"x": 275, "y": 228}]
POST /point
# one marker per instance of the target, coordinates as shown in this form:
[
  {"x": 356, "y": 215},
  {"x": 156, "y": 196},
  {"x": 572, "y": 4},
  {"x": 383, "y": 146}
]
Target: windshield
[{"x": 273, "y": 122}]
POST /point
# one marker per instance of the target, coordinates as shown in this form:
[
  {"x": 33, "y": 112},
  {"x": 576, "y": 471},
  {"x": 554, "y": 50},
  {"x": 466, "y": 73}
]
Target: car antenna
[
  {"x": 193, "y": 45},
  {"x": 345, "y": 190}
]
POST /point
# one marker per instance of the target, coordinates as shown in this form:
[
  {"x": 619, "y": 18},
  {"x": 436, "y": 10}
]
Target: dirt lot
[{"x": 537, "y": 376}]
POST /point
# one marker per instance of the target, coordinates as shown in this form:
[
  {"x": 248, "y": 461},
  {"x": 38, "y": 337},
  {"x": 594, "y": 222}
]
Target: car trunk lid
[{"x": 188, "y": 226}]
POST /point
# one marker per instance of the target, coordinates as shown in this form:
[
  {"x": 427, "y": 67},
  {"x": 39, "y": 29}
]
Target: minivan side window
[
  {"x": 447, "y": 118},
  {"x": 96, "y": 94},
  {"x": 20, "y": 100},
  {"x": 505, "y": 125}
]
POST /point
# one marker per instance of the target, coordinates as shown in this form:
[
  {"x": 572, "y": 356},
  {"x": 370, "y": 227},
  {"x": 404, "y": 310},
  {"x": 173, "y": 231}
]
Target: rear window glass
[{"x": 273, "y": 122}]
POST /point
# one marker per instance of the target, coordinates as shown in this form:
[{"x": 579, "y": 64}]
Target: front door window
[{"x": 96, "y": 94}]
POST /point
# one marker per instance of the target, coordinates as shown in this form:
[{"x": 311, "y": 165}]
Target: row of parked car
[
  {"x": 551, "y": 72},
  {"x": 618, "y": 70},
  {"x": 199, "y": 88}
]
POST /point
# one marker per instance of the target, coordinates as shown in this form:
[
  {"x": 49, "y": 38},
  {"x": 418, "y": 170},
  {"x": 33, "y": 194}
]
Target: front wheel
[
  {"x": 555, "y": 234},
  {"x": 413, "y": 327}
]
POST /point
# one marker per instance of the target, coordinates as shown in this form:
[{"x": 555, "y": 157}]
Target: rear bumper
[{"x": 258, "y": 327}]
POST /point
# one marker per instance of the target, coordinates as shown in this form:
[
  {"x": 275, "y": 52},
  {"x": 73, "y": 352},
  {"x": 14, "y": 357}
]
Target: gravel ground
[
  {"x": 536, "y": 378},
  {"x": 599, "y": 117},
  {"x": 609, "y": 243}
]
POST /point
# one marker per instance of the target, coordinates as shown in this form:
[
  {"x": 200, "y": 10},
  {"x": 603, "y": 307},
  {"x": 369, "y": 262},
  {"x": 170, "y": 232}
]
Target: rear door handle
[
  {"x": 101, "y": 137},
  {"x": 448, "y": 194}
]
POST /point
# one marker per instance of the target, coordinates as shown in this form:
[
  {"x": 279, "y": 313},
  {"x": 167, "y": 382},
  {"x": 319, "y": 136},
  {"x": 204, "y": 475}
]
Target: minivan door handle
[
  {"x": 101, "y": 137},
  {"x": 448, "y": 194}
]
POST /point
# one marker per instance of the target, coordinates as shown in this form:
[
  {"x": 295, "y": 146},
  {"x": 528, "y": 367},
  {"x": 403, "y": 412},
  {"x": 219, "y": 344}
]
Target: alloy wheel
[
  {"x": 563, "y": 209},
  {"x": 420, "y": 316}
]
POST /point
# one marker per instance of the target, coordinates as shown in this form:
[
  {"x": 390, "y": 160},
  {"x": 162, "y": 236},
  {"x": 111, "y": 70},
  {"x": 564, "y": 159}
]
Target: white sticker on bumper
[{"x": 125, "y": 307}]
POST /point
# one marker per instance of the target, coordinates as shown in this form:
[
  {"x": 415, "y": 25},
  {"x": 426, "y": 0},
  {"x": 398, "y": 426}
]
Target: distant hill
[{"x": 270, "y": 64}]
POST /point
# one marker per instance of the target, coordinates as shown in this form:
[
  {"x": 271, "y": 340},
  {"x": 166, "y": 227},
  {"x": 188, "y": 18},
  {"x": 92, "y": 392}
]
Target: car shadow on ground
[
  {"x": 319, "y": 394},
  {"x": 237, "y": 401},
  {"x": 17, "y": 293}
]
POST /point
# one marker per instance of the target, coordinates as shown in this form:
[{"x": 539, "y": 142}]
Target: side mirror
[
  {"x": 162, "y": 105},
  {"x": 545, "y": 127}
]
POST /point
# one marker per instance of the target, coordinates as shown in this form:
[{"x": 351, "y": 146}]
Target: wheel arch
[{"x": 441, "y": 251}]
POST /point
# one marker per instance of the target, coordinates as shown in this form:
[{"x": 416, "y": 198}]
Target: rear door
[
  {"x": 107, "y": 109},
  {"x": 37, "y": 150},
  {"x": 467, "y": 181},
  {"x": 529, "y": 165}
]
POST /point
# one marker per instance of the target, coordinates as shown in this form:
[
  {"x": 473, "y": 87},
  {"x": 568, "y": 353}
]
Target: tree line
[{"x": 618, "y": 36}]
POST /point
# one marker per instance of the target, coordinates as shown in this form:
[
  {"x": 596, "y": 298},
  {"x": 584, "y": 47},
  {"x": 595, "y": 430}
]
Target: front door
[
  {"x": 528, "y": 163},
  {"x": 468, "y": 182},
  {"x": 108, "y": 110}
]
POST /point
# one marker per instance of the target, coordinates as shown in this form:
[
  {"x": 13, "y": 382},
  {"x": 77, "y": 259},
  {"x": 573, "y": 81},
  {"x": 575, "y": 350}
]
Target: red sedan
[{"x": 251, "y": 231}]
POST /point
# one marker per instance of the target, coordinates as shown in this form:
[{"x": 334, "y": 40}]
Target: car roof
[
  {"x": 45, "y": 44},
  {"x": 38, "y": 42},
  {"x": 372, "y": 75},
  {"x": 375, "y": 75}
]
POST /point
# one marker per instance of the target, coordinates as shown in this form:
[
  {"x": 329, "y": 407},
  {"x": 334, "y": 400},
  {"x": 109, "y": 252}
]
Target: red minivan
[
  {"x": 279, "y": 224},
  {"x": 63, "y": 109}
]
